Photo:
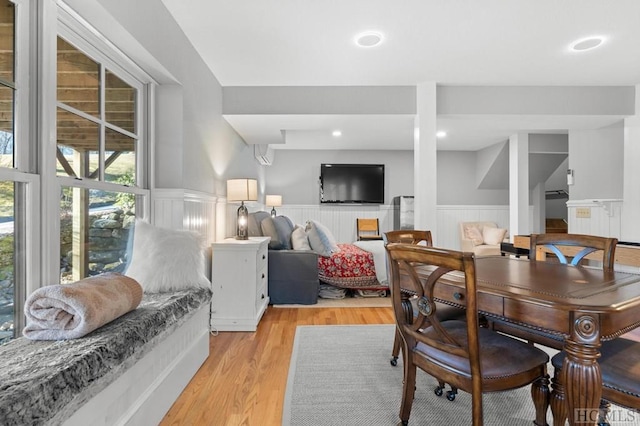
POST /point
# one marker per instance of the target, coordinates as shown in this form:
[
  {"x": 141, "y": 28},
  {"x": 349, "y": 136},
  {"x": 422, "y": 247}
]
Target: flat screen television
[{"x": 352, "y": 183}]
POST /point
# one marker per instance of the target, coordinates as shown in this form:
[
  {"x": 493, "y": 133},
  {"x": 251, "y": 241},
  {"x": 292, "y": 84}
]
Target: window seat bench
[{"x": 130, "y": 371}]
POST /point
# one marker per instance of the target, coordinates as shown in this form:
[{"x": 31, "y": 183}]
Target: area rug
[{"x": 341, "y": 375}]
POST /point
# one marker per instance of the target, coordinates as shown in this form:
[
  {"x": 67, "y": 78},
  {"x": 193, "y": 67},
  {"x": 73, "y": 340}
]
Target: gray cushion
[
  {"x": 254, "y": 222},
  {"x": 279, "y": 229},
  {"x": 285, "y": 228}
]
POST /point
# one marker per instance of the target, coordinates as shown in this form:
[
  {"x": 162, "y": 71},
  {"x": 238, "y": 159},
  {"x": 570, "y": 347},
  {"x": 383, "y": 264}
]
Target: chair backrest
[
  {"x": 408, "y": 236},
  {"x": 421, "y": 270},
  {"x": 576, "y": 246},
  {"x": 367, "y": 228}
]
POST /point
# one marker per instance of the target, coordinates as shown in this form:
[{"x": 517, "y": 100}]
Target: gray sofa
[{"x": 293, "y": 274}]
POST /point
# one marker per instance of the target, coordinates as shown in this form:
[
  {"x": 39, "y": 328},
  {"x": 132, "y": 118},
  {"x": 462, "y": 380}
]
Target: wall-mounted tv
[{"x": 352, "y": 183}]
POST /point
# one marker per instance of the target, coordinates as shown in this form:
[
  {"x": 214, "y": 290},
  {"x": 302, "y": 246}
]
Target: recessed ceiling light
[
  {"x": 369, "y": 39},
  {"x": 336, "y": 133},
  {"x": 441, "y": 134},
  {"x": 586, "y": 44}
]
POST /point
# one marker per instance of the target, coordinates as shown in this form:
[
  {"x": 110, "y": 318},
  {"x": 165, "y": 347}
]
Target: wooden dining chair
[
  {"x": 575, "y": 247},
  {"x": 445, "y": 312},
  {"x": 459, "y": 353},
  {"x": 368, "y": 229},
  {"x": 620, "y": 368}
]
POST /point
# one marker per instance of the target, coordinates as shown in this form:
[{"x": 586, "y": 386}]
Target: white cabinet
[{"x": 239, "y": 277}]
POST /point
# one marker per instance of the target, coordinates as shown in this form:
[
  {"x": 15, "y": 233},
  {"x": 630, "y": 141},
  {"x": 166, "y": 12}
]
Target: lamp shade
[
  {"x": 274, "y": 200},
  {"x": 242, "y": 190}
]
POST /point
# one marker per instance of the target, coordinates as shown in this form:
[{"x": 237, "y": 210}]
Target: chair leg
[
  {"x": 408, "y": 315},
  {"x": 408, "y": 389},
  {"x": 558, "y": 402},
  {"x": 396, "y": 348},
  {"x": 605, "y": 407},
  {"x": 540, "y": 395}
]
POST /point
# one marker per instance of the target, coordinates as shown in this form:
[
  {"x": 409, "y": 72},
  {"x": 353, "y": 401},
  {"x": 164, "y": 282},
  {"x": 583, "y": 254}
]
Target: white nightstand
[{"x": 239, "y": 277}]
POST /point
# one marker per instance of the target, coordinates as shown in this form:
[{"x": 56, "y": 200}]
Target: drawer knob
[
  {"x": 264, "y": 256},
  {"x": 262, "y": 296},
  {"x": 458, "y": 296},
  {"x": 262, "y": 275}
]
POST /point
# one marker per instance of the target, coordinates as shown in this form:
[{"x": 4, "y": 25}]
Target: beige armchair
[{"x": 482, "y": 238}]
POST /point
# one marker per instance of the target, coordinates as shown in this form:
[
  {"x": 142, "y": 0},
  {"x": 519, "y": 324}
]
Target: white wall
[
  {"x": 294, "y": 173},
  {"x": 597, "y": 158},
  {"x": 457, "y": 181},
  {"x": 210, "y": 149}
]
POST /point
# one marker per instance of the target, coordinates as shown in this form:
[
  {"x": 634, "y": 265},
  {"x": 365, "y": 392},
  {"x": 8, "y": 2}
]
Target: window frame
[
  {"x": 26, "y": 229},
  {"x": 75, "y": 30}
]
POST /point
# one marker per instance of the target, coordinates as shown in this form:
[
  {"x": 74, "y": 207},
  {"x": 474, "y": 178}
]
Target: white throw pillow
[
  {"x": 474, "y": 234},
  {"x": 299, "y": 239},
  {"x": 164, "y": 260},
  {"x": 493, "y": 235},
  {"x": 321, "y": 239}
]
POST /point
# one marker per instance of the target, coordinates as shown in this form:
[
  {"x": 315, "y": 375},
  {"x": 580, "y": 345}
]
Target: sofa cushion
[
  {"x": 474, "y": 234},
  {"x": 487, "y": 250},
  {"x": 279, "y": 229},
  {"x": 254, "y": 223},
  {"x": 299, "y": 239},
  {"x": 493, "y": 235},
  {"x": 321, "y": 239}
]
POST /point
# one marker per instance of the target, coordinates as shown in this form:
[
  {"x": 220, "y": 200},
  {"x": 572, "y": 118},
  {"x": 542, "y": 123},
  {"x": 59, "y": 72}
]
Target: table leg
[{"x": 581, "y": 372}]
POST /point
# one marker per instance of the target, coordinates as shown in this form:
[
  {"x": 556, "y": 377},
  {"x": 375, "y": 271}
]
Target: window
[
  {"x": 17, "y": 186},
  {"x": 65, "y": 210},
  {"x": 97, "y": 122},
  {"x": 7, "y": 260}
]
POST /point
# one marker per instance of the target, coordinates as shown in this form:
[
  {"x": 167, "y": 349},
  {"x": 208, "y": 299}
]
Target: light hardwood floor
[{"x": 243, "y": 381}]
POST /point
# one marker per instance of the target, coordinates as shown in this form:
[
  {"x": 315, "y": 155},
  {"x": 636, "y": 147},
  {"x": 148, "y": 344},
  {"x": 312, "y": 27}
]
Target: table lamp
[
  {"x": 273, "y": 201},
  {"x": 242, "y": 190}
]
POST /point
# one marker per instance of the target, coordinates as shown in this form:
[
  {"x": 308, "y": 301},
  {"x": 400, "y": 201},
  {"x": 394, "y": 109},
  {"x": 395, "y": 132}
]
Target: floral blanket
[{"x": 351, "y": 267}]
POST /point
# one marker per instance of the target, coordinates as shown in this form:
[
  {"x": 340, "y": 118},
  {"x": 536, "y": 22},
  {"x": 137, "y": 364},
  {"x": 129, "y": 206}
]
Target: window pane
[
  {"x": 7, "y": 261},
  {"x": 94, "y": 230},
  {"x": 6, "y": 127},
  {"x": 78, "y": 79},
  {"x": 120, "y": 103},
  {"x": 77, "y": 146},
  {"x": 120, "y": 158},
  {"x": 7, "y": 40},
  {"x": 7, "y": 66}
]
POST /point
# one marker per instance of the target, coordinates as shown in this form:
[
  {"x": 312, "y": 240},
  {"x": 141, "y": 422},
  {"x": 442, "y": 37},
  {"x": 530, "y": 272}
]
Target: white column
[
  {"x": 519, "y": 184},
  {"x": 631, "y": 173},
  {"x": 539, "y": 209},
  {"x": 424, "y": 159}
]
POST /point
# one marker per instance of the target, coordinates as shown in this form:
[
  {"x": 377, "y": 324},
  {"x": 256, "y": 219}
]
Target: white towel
[{"x": 69, "y": 311}]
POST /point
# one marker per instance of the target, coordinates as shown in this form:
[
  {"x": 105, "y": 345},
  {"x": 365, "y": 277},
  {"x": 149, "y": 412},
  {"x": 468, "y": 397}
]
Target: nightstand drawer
[
  {"x": 261, "y": 295},
  {"x": 261, "y": 258}
]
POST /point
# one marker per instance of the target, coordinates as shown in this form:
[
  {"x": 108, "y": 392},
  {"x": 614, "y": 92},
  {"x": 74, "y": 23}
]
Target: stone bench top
[{"x": 40, "y": 380}]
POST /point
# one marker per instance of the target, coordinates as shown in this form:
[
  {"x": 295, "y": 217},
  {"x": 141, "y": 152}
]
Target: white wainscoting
[
  {"x": 341, "y": 220},
  {"x": 604, "y": 217}
]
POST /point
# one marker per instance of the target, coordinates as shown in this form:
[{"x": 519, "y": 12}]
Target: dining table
[{"x": 581, "y": 305}]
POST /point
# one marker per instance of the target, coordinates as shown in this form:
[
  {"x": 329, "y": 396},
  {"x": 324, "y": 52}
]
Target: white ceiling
[{"x": 463, "y": 42}]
